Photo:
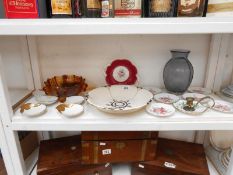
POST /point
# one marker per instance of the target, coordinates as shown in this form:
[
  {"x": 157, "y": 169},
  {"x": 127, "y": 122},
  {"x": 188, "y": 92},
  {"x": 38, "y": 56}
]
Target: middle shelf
[{"x": 94, "y": 120}]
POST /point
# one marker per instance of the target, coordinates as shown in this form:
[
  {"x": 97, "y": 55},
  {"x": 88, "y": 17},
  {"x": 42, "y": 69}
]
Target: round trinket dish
[
  {"x": 160, "y": 109},
  {"x": 32, "y": 110},
  {"x": 70, "y": 110},
  {"x": 166, "y": 98}
]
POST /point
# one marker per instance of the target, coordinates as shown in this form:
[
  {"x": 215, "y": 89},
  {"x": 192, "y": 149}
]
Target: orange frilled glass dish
[{"x": 65, "y": 86}]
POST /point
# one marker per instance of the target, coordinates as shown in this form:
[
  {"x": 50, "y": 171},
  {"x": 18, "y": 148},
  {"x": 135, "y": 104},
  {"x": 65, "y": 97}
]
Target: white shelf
[
  {"x": 31, "y": 161},
  {"x": 124, "y": 169},
  {"x": 94, "y": 120},
  {"x": 116, "y": 26},
  {"x": 17, "y": 95}
]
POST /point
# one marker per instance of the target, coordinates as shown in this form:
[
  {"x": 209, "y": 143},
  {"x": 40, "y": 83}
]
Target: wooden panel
[
  {"x": 95, "y": 152},
  {"x": 175, "y": 158}
]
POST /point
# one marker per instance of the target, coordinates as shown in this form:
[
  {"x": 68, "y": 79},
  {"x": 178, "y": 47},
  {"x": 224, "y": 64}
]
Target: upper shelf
[{"x": 194, "y": 25}]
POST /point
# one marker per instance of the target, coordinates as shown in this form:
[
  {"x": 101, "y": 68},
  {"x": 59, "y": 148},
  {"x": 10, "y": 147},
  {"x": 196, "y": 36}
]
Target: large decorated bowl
[
  {"x": 65, "y": 86},
  {"x": 119, "y": 98}
]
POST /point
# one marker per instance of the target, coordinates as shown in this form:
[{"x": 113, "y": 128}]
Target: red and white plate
[
  {"x": 121, "y": 72},
  {"x": 160, "y": 109}
]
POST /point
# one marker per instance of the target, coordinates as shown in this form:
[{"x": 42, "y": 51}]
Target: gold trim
[
  {"x": 143, "y": 153},
  {"x": 96, "y": 150},
  {"x": 221, "y": 7}
]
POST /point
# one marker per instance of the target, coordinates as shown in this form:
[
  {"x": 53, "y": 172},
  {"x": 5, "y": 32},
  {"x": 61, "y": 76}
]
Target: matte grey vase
[{"x": 178, "y": 72}]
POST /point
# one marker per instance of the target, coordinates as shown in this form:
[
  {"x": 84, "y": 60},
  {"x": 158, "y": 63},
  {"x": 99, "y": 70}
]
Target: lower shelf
[{"x": 118, "y": 169}]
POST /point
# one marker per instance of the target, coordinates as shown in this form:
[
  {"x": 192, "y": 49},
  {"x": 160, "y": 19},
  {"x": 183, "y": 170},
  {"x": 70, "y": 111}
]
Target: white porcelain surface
[
  {"x": 38, "y": 93},
  {"x": 72, "y": 110},
  {"x": 200, "y": 90},
  {"x": 223, "y": 106},
  {"x": 199, "y": 109},
  {"x": 119, "y": 98},
  {"x": 166, "y": 98},
  {"x": 160, "y": 109},
  {"x": 47, "y": 100},
  {"x": 221, "y": 140},
  {"x": 75, "y": 100},
  {"x": 35, "y": 110}
]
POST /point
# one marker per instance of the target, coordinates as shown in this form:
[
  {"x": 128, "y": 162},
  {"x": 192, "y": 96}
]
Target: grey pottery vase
[{"x": 178, "y": 72}]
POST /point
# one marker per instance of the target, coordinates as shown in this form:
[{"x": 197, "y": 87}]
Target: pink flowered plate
[
  {"x": 223, "y": 106},
  {"x": 160, "y": 109},
  {"x": 166, "y": 98}
]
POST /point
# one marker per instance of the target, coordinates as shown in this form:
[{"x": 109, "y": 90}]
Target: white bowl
[
  {"x": 70, "y": 110},
  {"x": 32, "y": 110},
  {"x": 119, "y": 98},
  {"x": 46, "y": 100},
  {"x": 75, "y": 100}
]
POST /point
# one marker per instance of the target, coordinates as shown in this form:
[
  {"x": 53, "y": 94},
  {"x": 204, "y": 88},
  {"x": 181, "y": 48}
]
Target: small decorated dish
[
  {"x": 153, "y": 90},
  {"x": 46, "y": 100},
  {"x": 221, "y": 140},
  {"x": 198, "y": 108},
  {"x": 160, "y": 109},
  {"x": 70, "y": 110},
  {"x": 200, "y": 90},
  {"x": 121, "y": 72},
  {"x": 75, "y": 100},
  {"x": 223, "y": 106},
  {"x": 166, "y": 98},
  {"x": 32, "y": 110},
  {"x": 196, "y": 96}
]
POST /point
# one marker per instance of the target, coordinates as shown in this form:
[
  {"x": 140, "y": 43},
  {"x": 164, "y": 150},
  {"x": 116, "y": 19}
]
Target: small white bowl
[
  {"x": 70, "y": 110},
  {"x": 32, "y": 110},
  {"x": 75, "y": 100},
  {"x": 46, "y": 100}
]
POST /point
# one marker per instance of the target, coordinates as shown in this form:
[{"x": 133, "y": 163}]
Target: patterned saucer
[
  {"x": 200, "y": 90},
  {"x": 166, "y": 98},
  {"x": 223, "y": 106},
  {"x": 160, "y": 109}
]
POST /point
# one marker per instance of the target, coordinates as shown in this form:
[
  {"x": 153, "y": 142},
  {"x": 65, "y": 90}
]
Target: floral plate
[
  {"x": 121, "y": 72},
  {"x": 119, "y": 98},
  {"x": 166, "y": 98},
  {"x": 199, "y": 109},
  {"x": 200, "y": 90},
  {"x": 160, "y": 109},
  {"x": 223, "y": 106}
]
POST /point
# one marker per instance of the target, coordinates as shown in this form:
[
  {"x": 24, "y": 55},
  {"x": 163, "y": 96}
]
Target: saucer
[
  {"x": 166, "y": 98},
  {"x": 160, "y": 109},
  {"x": 70, "y": 110},
  {"x": 32, "y": 110}
]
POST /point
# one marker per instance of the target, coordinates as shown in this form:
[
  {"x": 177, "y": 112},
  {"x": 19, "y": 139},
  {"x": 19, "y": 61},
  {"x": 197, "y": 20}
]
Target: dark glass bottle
[
  {"x": 78, "y": 8},
  {"x": 92, "y": 8},
  {"x": 162, "y": 8},
  {"x": 60, "y": 8}
]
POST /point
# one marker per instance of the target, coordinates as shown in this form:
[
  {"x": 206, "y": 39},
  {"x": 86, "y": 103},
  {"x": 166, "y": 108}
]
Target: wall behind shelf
[
  {"x": 89, "y": 55},
  {"x": 12, "y": 57}
]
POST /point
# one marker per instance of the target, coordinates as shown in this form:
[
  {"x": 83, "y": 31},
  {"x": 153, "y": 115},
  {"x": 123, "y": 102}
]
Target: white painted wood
[
  {"x": 26, "y": 63},
  {"x": 31, "y": 161},
  {"x": 17, "y": 94},
  {"x": 221, "y": 62},
  {"x": 5, "y": 151},
  {"x": 93, "y": 119},
  {"x": 33, "y": 52},
  {"x": 116, "y": 26},
  {"x": 11, "y": 136},
  {"x": 212, "y": 63}
]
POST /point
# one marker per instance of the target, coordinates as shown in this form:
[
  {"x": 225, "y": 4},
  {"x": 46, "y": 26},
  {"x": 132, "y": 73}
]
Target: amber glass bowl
[{"x": 65, "y": 86}]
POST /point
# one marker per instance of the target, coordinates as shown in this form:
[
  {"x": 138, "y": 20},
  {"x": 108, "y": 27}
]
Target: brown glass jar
[
  {"x": 191, "y": 8},
  {"x": 162, "y": 8},
  {"x": 60, "y": 8}
]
